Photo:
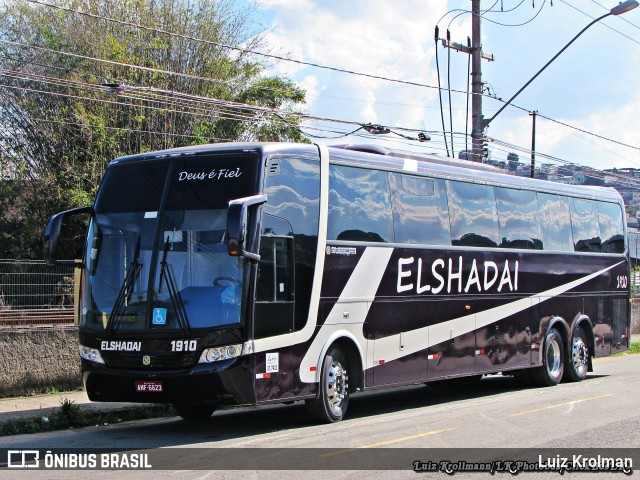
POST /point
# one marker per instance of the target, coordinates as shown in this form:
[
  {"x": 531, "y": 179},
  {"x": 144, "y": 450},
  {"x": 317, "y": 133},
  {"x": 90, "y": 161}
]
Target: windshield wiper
[
  {"x": 176, "y": 300},
  {"x": 124, "y": 295}
]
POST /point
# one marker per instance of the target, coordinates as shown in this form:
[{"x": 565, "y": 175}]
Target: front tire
[
  {"x": 331, "y": 404},
  {"x": 193, "y": 412},
  {"x": 550, "y": 373},
  {"x": 578, "y": 357}
]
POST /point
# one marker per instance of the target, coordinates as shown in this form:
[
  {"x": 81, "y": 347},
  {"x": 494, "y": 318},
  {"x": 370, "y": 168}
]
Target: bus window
[
  {"x": 555, "y": 220},
  {"x": 586, "y": 234},
  {"x": 611, "y": 227},
  {"x": 474, "y": 220},
  {"x": 359, "y": 205},
  {"x": 420, "y": 212},
  {"x": 274, "y": 307},
  {"x": 292, "y": 186},
  {"x": 519, "y": 223}
]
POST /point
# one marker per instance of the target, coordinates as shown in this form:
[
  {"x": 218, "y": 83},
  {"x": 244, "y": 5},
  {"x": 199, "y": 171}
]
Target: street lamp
[{"x": 617, "y": 10}]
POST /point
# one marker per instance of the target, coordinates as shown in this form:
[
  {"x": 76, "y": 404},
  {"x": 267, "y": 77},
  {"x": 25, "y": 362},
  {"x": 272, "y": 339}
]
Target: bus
[{"x": 259, "y": 273}]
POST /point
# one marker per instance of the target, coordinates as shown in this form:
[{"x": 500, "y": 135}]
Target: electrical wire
[
  {"x": 624, "y": 19},
  {"x": 482, "y": 14},
  {"x": 602, "y": 23},
  {"x": 239, "y": 49}
]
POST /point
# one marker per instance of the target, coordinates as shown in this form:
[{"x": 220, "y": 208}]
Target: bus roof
[{"x": 371, "y": 156}]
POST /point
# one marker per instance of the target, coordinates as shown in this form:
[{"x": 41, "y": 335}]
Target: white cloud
[
  {"x": 395, "y": 40},
  {"x": 376, "y": 37}
]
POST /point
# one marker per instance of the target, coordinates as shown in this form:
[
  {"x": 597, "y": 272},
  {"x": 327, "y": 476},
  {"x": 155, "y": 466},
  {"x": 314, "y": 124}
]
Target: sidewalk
[{"x": 42, "y": 405}]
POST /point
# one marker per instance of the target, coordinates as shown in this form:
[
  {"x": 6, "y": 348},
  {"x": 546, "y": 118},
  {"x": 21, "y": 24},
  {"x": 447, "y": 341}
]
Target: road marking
[
  {"x": 388, "y": 442},
  {"x": 410, "y": 437},
  {"x": 549, "y": 407}
]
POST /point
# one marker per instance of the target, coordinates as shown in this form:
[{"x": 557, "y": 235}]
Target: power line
[
  {"x": 624, "y": 19},
  {"x": 602, "y": 23},
  {"x": 210, "y": 79},
  {"x": 242, "y": 50},
  {"x": 218, "y": 44},
  {"x": 354, "y": 132}
]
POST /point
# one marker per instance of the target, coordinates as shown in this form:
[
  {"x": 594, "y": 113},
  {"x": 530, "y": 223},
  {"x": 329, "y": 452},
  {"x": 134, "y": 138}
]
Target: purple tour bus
[{"x": 257, "y": 273}]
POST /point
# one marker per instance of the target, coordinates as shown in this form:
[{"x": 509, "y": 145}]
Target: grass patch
[
  {"x": 70, "y": 415},
  {"x": 635, "y": 348}
]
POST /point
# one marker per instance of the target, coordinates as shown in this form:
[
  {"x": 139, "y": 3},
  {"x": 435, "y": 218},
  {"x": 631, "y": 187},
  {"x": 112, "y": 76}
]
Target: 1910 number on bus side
[{"x": 623, "y": 281}]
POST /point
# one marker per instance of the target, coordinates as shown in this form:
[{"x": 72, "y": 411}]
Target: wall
[{"x": 34, "y": 359}]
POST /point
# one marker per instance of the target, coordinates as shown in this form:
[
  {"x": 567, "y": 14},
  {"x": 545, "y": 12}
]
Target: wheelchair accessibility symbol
[{"x": 159, "y": 316}]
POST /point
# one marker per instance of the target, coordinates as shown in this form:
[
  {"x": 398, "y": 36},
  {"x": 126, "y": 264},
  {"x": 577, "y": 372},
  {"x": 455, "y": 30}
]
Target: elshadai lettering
[{"x": 221, "y": 174}]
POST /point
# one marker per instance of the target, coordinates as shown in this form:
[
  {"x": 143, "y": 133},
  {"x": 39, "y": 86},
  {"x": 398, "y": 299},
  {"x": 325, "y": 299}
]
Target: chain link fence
[{"x": 34, "y": 294}]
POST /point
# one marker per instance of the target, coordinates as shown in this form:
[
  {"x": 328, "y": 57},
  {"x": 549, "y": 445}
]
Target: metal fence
[{"x": 34, "y": 294}]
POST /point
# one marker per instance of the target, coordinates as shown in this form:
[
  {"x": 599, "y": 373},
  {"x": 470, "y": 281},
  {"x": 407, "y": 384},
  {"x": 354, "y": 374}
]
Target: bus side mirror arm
[{"x": 237, "y": 225}]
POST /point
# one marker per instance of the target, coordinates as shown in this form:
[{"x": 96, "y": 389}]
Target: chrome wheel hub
[
  {"x": 336, "y": 386},
  {"x": 579, "y": 355}
]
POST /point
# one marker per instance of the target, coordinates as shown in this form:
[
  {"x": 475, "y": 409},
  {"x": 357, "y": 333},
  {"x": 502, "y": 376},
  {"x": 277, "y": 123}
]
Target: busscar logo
[
  {"x": 341, "y": 250},
  {"x": 23, "y": 459}
]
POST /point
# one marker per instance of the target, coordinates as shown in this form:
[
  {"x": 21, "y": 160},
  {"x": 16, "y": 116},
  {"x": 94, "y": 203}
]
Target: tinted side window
[
  {"x": 555, "y": 219},
  {"x": 518, "y": 214},
  {"x": 586, "y": 232},
  {"x": 359, "y": 205},
  {"x": 611, "y": 227},
  {"x": 472, "y": 209},
  {"x": 292, "y": 185},
  {"x": 420, "y": 212}
]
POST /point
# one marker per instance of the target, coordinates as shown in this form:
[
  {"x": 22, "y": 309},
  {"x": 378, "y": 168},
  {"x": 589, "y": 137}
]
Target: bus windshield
[{"x": 157, "y": 257}]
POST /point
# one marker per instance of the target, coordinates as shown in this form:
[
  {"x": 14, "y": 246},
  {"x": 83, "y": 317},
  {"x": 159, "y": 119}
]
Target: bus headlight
[
  {"x": 216, "y": 354},
  {"x": 91, "y": 354}
]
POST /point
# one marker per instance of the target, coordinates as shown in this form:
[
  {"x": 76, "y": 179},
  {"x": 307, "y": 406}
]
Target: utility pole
[
  {"x": 533, "y": 143},
  {"x": 476, "y": 83},
  {"x": 477, "y": 55}
]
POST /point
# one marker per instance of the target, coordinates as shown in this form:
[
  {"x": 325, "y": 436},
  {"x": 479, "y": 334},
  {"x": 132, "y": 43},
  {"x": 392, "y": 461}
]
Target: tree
[{"x": 60, "y": 125}]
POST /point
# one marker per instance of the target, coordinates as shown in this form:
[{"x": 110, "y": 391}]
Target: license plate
[{"x": 148, "y": 386}]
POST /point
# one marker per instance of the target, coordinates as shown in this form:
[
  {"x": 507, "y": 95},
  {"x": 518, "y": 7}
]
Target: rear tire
[
  {"x": 550, "y": 373},
  {"x": 577, "y": 363},
  {"x": 331, "y": 404},
  {"x": 194, "y": 412}
]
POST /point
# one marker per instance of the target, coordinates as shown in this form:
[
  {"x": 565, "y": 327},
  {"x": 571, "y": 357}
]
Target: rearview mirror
[
  {"x": 59, "y": 226},
  {"x": 237, "y": 225}
]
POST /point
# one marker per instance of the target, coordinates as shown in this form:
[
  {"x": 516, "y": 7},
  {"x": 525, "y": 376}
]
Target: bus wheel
[
  {"x": 550, "y": 373},
  {"x": 193, "y": 412},
  {"x": 578, "y": 357},
  {"x": 333, "y": 399}
]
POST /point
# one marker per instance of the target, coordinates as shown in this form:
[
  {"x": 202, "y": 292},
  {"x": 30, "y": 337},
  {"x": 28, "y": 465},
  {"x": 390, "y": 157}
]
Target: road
[{"x": 600, "y": 412}]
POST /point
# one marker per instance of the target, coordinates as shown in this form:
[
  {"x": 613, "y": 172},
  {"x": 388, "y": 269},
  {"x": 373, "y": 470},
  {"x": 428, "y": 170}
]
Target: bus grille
[{"x": 157, "y": 361}]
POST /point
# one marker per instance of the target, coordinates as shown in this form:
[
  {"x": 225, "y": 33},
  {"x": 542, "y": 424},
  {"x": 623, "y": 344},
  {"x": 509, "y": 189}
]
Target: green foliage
[
  {"x": 633, "y": 349},
  {"x": 59, "y": 128}
]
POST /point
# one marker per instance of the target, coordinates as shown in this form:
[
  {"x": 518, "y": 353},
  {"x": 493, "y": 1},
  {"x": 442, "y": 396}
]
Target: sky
[{"x": 593, "y": 85}]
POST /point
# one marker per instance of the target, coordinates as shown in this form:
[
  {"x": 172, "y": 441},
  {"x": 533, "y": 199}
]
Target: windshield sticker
[
  {"x": 159, "y": 316},
  {"x": 272, "y": 362},
  {"x": 215, "y": 174},
  {"x": 150, "y": 214}
]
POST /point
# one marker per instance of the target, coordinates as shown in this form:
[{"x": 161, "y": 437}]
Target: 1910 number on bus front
[{"x": 184, "y": 345}]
